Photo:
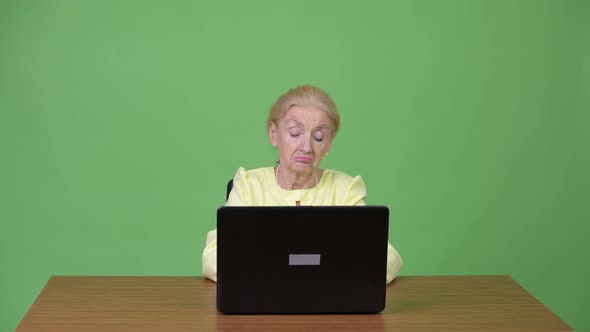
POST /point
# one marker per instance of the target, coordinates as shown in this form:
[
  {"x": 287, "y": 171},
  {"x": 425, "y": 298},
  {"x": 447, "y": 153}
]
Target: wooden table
[{"x": 453, "y": 303}]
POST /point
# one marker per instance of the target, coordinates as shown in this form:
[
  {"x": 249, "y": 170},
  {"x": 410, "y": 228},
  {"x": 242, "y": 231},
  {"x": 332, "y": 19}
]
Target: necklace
[{"x": 298, "y": 203}]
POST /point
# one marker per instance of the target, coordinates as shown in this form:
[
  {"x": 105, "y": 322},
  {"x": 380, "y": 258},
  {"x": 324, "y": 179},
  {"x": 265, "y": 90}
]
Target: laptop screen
[{"x": 329, "y": 259}]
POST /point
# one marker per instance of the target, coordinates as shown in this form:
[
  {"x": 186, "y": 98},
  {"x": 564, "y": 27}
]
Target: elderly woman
[{"x": 301, "y": 125}]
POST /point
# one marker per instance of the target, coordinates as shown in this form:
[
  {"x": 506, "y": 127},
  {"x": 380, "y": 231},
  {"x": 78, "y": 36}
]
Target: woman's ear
[{"x": 272, "y": 134}]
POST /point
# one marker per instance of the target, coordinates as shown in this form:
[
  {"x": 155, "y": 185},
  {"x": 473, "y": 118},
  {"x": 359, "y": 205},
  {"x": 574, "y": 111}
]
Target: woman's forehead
[{"x": 307, "y": 116}]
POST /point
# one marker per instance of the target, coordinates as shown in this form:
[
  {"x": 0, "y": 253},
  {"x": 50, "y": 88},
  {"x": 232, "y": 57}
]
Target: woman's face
[{"x": 303, "y": 137}]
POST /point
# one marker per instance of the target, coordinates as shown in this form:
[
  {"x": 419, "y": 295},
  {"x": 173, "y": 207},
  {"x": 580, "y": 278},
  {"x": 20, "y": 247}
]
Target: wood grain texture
[{"x": 450, "y": 303}]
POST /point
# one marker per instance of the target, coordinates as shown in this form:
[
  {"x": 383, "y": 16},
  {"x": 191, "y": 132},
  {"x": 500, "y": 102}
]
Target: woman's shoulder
[
  {"x": 257, "y": 173},
  {"x": 341, "y": 181},
  {"x": 339, "y": 177},
  {"x": 346, "y": 189}
]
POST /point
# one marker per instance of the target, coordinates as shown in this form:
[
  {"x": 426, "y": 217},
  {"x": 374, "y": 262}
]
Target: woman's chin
[{"x": 303, "y": 167}]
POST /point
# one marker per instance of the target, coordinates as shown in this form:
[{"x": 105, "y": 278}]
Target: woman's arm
[
  {"x": 210, "y": 256},
  {"x": 356, "y": 194},
  {"x": 237, "y": 197},
  {"x": 394, "y": 263}
]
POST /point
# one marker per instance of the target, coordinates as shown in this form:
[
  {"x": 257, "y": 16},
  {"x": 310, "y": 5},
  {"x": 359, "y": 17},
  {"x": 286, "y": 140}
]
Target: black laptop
[{"x": 301, "y": 259}]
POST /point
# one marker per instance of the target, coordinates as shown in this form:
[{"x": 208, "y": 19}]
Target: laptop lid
[{"x": 329, "y": 259}]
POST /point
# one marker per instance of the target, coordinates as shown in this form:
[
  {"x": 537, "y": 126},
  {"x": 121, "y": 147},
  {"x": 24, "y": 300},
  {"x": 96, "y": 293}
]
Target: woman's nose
[{"x": 306, "y": 144}]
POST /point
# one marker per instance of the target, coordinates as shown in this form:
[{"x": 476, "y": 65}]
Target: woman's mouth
[{"x": 306, "y": 160}]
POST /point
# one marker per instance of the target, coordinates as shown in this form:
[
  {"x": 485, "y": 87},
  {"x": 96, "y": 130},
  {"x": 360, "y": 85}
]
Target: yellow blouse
[{"x": 258, "y": 187}]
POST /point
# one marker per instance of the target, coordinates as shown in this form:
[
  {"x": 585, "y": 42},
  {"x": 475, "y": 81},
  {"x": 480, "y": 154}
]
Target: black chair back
[{"x": 230, "y": 185}]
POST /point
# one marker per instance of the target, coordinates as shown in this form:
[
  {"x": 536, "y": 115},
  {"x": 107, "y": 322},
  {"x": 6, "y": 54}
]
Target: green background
[{"x": 122, "y": 121}]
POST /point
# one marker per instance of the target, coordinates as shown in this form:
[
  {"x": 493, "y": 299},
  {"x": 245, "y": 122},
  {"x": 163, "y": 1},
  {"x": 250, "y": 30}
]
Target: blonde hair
[{"x": 305, "y": 96}]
